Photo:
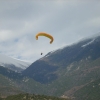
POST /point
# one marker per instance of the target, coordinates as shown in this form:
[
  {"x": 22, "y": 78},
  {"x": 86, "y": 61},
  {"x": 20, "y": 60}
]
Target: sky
[{"x": 68, "y": 21}]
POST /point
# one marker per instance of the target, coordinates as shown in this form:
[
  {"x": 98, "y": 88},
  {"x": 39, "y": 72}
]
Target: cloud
[{"x": 68, "y": 21}]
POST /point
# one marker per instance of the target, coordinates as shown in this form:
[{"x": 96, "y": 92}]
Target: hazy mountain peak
[{"x": 13, "y": 63}]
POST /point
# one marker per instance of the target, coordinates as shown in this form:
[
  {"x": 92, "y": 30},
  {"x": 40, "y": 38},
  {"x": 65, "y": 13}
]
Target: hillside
[
  {"x": 10, "y": 73},
  {"x": 12, "y": 82},
  {"x": 32, "y": 97},
  {"x": 90, "y": 91},
  {"x": 7, "y": 87}
]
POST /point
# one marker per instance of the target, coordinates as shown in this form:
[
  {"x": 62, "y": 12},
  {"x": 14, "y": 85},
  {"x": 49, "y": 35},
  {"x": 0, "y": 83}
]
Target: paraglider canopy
[{"x": 46, "y": 35}]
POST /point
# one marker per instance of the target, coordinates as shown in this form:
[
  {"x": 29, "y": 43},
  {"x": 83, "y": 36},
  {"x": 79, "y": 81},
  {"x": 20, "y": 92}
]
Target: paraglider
[{"x": 46, "y": 35}]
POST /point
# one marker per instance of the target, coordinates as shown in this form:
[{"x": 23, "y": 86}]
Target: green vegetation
[
  {"x": 89, "y": 92},
  {"x": 31, "y": 97},
  {"x": 7, "y": 87}
]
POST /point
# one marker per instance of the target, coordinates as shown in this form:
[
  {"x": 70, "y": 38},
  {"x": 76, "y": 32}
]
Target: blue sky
[{"x": 68, "y": 21}]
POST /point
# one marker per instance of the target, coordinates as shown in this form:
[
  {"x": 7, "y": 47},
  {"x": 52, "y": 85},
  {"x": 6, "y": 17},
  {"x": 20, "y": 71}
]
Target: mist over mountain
[{"x": 12, "y": 63}]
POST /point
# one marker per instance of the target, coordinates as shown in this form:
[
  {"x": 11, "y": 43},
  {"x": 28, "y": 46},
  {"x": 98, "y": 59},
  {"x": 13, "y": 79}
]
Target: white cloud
[
  {"x": 68, "y": 21},
  {"x": 95, "y": 22}
]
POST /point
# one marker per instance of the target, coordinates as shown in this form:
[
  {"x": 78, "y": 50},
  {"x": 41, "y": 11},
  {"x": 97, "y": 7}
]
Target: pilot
[{"x": 41, "y": 53}]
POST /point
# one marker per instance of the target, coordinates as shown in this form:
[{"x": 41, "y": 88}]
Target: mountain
[
  {"x": 7, "y": 85},
  {"x": 41, "y": 71},
  {"x": 14, "y": 64},
  {"x": 12, "y": 83},
  {"x": 45, "y": 69},
  {"x": 10, "y": 73},
  {"x": 66, "y": 70}
]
